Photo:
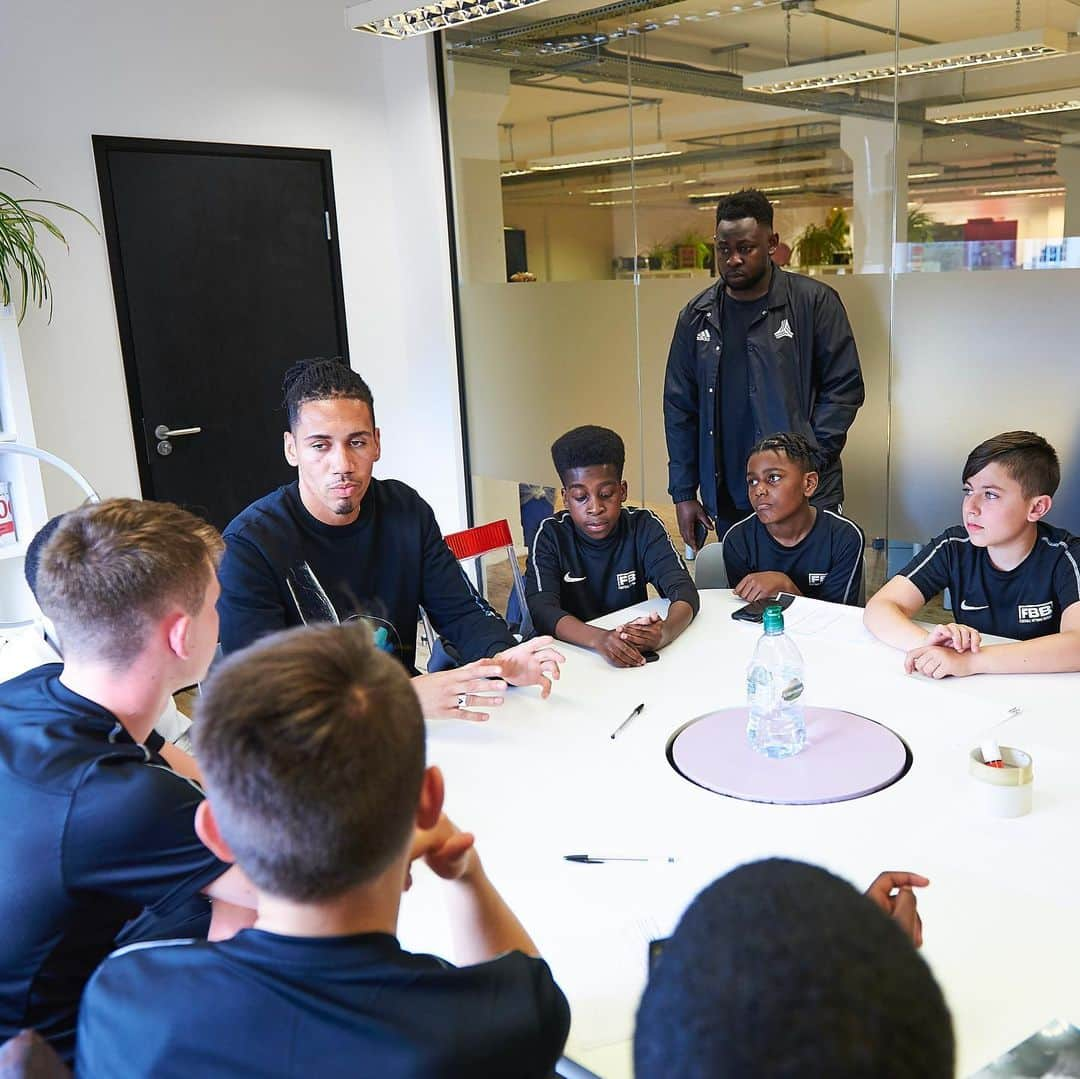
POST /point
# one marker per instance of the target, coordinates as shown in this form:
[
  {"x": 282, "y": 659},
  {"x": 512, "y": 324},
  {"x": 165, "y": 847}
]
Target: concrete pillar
[
  {"x": 870, "y": 146},
  {"x": 1067, "y": 165},
  {"x": 476, "y": 97}
]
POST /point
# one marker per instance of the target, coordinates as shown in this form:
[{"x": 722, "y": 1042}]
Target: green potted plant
[
  {"x": 920, "y": 226},
  {"x": 691, "y": 250},
  {"x": 660, "y": 257},
  {"x": 21, "y": 259},
  {"x": 820, "y": 245}
]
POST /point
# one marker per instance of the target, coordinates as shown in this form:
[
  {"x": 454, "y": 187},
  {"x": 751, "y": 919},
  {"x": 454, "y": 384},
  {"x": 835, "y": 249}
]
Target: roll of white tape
[{"x": 1003, "y": 792}]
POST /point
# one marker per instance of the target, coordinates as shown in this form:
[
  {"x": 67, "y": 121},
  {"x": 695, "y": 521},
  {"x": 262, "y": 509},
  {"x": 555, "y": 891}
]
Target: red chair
[{"x": 474, "y": 545}]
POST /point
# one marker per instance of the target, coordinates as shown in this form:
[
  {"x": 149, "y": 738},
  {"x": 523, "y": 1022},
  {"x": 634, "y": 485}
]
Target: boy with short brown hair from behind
[
  {"x": 103, "y": 844},
  {"x": 312, "y": 745}
]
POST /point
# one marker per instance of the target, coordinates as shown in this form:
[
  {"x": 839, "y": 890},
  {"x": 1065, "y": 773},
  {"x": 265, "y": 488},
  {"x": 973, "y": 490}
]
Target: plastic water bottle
[{"x": 774, "y": 686}]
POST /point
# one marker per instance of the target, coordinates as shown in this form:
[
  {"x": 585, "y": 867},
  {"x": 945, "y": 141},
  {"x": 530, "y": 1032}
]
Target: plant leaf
[{"x": 20, "y": 257}]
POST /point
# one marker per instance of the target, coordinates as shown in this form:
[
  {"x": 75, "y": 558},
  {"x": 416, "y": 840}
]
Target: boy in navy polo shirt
[
  {"x": 597, "y": 556},
  {"x": 101, "y": 828},
  {"x": 786, "y": 544},
  {"x": 1010, "y": 573},
  {"x": 312, "y": 743}
]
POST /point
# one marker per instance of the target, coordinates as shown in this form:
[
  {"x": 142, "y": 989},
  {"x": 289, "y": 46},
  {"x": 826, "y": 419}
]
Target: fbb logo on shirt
[
  {"x": 1035, "y": 612},
  {"x": 626, "y": 580},
  {"x": 816, "y": 578}
]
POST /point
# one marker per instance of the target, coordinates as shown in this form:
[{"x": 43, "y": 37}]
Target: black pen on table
[
  {"x": 595, "y": 859},
  {"x": 636, "y": 712}
]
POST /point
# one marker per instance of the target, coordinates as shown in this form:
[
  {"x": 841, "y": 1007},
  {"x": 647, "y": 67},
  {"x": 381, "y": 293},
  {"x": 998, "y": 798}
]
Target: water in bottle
[{"x": 774, "y": 686}]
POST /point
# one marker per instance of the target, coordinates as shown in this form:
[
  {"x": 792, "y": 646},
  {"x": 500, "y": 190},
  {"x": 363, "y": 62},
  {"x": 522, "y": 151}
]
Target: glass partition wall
[{"x": 904, "y": 146}]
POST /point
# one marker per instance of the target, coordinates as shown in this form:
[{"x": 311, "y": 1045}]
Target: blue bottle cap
[{"x": 773, "y": 619}]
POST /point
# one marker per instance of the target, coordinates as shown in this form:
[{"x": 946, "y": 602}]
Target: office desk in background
[{"x": 544, "y": 779}]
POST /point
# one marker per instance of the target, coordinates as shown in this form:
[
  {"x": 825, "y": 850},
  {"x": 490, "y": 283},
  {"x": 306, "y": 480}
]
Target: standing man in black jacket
[
  {"x": 374, "y": 548},
  {"x": 762, "y": 350}
]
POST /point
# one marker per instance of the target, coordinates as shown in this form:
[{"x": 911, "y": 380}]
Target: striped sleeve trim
[
  {"x": 663, "y": 528},
  {"x": 859, "y": 558},
  {"x": 142, "y": 945},
  {"x": 1068, "y": 554},
  {"x": 723, "y": 539},
  {"x": 555, "y": 519},
  {"x": 937, "y": 547}
]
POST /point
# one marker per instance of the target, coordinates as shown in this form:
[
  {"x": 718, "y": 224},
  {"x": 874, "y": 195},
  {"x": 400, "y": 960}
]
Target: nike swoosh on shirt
[
  {"x": 965, "y": 606},
  {"x": 572, "y": 580}
]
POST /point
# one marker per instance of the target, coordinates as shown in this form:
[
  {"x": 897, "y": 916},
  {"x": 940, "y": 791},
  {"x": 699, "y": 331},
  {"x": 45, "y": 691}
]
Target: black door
[{"x": 226, "y": 270}]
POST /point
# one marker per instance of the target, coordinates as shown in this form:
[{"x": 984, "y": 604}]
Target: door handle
[{"x": 163, "y": 433}]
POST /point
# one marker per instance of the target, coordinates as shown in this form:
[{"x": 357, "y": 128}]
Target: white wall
[
  {"x": 274, "y": 72},
  {"x": 975, "y": 354}
]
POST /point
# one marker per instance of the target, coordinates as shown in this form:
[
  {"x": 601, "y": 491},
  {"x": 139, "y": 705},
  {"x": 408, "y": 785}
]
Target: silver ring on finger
[{"x": 462, "y": 700}]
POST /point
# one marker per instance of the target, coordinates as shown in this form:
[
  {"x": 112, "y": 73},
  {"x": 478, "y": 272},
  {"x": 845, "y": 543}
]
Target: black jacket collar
[{"x": 777, "y": 296}]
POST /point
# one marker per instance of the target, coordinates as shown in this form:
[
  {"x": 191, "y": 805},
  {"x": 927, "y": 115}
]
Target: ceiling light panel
[
  {"x": 1024, "y": 191},
  {"x": 975, "y": 52},
  {"x": 623, "y": 187},
  {"x": 1002, "y": 108},
  {"x": 599, "y": 158},
  {"x": 387, "y": 18}
]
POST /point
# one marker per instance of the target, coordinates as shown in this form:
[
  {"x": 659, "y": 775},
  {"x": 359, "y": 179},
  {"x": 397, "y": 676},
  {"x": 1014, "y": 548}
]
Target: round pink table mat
[{"x": 846, "y": 756}]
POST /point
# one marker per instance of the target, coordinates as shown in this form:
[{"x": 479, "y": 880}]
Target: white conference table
[{"x": 543, "y": 779}]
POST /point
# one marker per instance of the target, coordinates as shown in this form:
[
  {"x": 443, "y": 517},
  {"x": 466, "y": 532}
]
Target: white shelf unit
[{"x": 23, "y": 473}]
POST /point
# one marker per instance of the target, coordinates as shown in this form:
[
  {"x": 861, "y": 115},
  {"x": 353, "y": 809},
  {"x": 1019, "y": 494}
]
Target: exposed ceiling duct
[{"x": 585, "y": 47}]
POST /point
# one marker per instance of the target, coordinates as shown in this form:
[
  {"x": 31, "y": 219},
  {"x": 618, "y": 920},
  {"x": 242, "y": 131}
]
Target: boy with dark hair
[
  {"x": 374, "y": 547},
  {"x": 321, "y": 986},
  {"x": 781, "y": 970},
  {"x": 597, "y": 556},
  {"x": 105, "y": 823},
  {"x": 1009, "y": 572},
  {"x": 787, "y": 544}
]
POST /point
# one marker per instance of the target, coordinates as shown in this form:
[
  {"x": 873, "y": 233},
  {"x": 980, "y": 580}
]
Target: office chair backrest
[{"x": 709, "y": 571}]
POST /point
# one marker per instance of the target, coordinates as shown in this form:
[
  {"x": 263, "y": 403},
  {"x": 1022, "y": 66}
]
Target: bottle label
[{"x": 793, "y": 690}]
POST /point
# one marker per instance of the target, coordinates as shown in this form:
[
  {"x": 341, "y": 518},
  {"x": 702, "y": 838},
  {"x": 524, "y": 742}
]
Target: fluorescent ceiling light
[
  {"x": 613, "y": 202},
  {"x": 1000, "y": 108},
  {"x": 602, "y": 157},
  {"x": 388, "y": 18},
  {"x": 763, "y": 190},
  {"x": 975, "y": 52},
  {"x": 626, "y": 187},
  {"x": 515, "y": 171},
  {"x": 1026, "y": 191},
  {"x": 924, "y": 170}
]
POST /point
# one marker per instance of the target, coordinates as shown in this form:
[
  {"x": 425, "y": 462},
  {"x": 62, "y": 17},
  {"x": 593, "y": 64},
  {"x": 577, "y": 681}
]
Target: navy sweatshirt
[
  {"x": 568, "y": 573},
  {"x": 390, "y": 561}
]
